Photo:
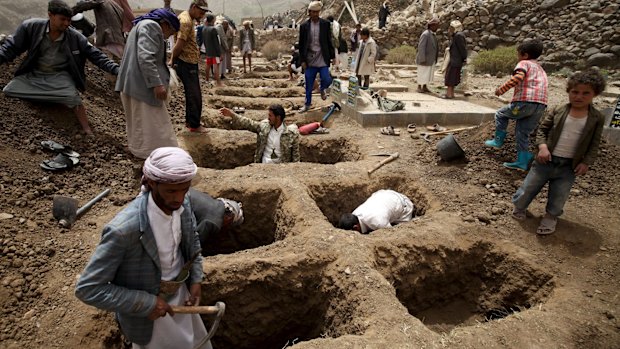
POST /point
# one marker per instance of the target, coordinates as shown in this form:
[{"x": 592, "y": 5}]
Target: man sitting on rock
[
  {"x": 53, "y": 70},
  {"x": 383, "y": 209},
  {"x": 213, "y": 215},
  {"x": 276, "y": 142}
]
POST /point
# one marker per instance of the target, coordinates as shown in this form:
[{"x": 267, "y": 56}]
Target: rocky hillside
[{"x": 575, "y": 33}]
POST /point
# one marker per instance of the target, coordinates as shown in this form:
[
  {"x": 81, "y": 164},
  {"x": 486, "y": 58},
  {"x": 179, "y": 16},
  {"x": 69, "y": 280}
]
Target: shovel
[{"x": 66, "y": 211}]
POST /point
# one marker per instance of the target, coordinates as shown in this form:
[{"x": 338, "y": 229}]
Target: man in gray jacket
[
  {"x": 143, "y": 252},
  {"x": 53, "y": 70},
  {"x": 143, "y": 83},
  {"x": 428, "y": 51}
]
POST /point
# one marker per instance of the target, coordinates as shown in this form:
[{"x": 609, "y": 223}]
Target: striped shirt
[{"x": 533, "y": 88}]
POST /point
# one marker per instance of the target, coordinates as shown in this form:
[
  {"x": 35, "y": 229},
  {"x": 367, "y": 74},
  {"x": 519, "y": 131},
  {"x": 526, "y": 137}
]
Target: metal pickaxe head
[{"x": 335, "y": 106}]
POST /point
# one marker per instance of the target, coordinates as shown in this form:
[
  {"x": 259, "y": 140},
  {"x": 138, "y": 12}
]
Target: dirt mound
[{"x": 460, "y": 275}]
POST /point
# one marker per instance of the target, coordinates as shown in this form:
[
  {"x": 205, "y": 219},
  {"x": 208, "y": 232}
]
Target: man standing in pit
[
  {"x": 143, "y": 250},
  {"x": 276, "y": 142}
]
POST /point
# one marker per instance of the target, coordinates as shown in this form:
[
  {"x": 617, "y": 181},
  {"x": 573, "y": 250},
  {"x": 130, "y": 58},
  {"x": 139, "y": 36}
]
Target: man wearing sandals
[
  {"x": 53, "y": 70},
  {"x": 276, "y": 142},
  {"x": 383, "y": 209},
  {"x": 143, "y": 250}
]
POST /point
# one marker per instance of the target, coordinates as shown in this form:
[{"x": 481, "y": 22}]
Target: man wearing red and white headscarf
[{"x": 142, "y": 253}]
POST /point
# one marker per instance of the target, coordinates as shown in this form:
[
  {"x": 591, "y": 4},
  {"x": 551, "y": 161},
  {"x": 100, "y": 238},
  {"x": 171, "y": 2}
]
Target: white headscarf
[
  {"x": 315, "y": 6},
  {"x": 170, "y": 165},
  {"x": 235, "y": 209}
]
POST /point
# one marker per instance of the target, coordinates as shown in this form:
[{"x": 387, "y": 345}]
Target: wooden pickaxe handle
[
  {"x": 384, "y": 161},
  {"x": 201, "y": 309},
  {"x": 447, "y": 131}
]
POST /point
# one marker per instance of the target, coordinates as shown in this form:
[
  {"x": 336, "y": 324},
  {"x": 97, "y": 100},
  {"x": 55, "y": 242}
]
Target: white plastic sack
[{"x": 174, "y": 84}]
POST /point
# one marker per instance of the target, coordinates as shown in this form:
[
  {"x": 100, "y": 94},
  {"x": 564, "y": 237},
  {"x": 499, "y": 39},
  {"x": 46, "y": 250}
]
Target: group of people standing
[{"x": 428, "y": 54}]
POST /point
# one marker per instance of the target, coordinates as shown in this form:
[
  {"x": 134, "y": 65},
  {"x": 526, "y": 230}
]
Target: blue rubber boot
[
  {"x": 498, "y": 141},
  {"x": 522, "y": 163}
]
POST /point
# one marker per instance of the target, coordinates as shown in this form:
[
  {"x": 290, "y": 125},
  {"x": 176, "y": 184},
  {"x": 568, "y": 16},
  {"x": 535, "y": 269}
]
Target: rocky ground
[{"x": 288, "y": 276}]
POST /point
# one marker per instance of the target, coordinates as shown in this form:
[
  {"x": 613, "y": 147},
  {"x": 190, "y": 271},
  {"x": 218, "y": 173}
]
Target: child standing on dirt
[
  {"x": 568, "y": 140},
  {"x": 528, "y": 103}
]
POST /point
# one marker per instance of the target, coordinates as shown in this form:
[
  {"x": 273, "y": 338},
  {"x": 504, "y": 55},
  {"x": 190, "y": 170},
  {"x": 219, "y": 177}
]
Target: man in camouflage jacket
[{"x": 276, "y": 142}]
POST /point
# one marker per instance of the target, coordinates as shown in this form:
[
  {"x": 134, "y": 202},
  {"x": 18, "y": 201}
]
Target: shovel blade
[{"x": 64, "y": 209}]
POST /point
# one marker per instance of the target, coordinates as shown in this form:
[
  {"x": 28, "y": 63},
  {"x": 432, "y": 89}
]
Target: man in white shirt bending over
[{"x": 383, "y": 209}]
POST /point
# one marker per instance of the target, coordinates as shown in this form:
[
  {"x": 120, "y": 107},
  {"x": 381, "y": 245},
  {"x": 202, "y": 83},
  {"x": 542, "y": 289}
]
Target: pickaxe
[
  {"x": 383, "y": 162},
  {"x": 218, "y": 309},
  {"x": 425, "y": 135}
]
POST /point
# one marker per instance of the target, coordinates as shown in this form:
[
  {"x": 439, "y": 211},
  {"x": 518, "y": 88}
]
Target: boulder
[
  {"x": 493, "y": 41},
  {"x": 548, "y": 4},
  {"x": 592, "y": 50},
  {"x": 603, "y": 60}
]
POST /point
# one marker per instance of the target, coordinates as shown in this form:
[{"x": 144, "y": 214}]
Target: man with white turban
[
  {"x": 142, "y": 254},
  {"x": 316, "y": 51}
]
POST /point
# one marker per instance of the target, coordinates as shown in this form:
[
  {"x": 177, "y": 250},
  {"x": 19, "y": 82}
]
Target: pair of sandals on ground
[
  {"x": 411, "y": 128},
  {"x": 547, "y": 224},
  {"x": 66, "y": 158}
]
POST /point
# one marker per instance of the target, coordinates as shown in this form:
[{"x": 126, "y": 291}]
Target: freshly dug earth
[{"x": 464, "y": 274}]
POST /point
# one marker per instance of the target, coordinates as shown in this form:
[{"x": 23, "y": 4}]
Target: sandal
[
  {"x": 547, "y": 225},
  {"x": 57, "y": 147},
  {"x": 519, "y": 215},
  {"x": 436, "y": 128},
  {"x": 239, "y": 110},
  {"x": 59, "y": 163},
  {"x": 411, "y": 128},
  {"x": 390, "y": 131}
]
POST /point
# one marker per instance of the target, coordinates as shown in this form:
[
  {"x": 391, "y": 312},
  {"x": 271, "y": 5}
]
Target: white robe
[{"x": 180, "y": 330}]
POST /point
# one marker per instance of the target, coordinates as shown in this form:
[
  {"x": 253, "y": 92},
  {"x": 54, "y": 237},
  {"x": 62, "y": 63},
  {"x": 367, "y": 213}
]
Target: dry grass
[
  {"x": 499, "y": 60},
  {"x": 404, "y": 54},
  {"x": 273, "y": 49}
]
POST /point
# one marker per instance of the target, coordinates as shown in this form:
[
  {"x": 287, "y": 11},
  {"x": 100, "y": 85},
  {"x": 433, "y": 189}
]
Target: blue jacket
[
  {"x": 124, "y": 273},
  {"x": 28, "y": 37}
]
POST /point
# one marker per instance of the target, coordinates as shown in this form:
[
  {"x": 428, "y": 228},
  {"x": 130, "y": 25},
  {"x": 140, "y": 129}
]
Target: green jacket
[
  {"x": 551, "y": 126},
  {"x": 289, "y": 140}
]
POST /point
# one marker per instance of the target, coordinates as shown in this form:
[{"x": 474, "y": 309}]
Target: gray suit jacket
[
  {"x": 428, "y": 49},
  {"x": 144, "y": 63},
  {"x": 124, "y": 273},
  {"x": 209, "y": 214}
]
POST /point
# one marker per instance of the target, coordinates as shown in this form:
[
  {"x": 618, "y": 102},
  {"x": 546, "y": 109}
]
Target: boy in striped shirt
[{"x": 528, "y": 102}]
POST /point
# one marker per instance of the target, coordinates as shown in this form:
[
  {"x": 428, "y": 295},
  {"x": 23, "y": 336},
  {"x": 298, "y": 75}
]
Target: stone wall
[{"x": 576, "y": 33}]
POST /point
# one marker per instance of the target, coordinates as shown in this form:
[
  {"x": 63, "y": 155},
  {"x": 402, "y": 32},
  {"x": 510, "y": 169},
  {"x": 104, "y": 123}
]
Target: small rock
[
  {"x": 483, "y": 217},
  {"x": 609, "y": 314},
  {"x": 4, "y": 215},
  {"x": 347, "y": 271},
  {"x": 469, "y": 218},
  {"x": 29, "y": 314},
  {"x": 598, "y": 292}
]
